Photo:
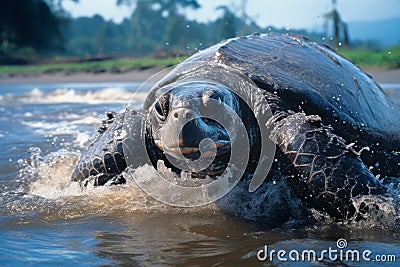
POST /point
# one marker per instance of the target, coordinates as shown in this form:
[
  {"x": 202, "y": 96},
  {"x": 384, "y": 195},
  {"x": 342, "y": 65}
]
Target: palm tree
[
  {"x": 227, "y": 23},
  {"x": 340, "y": 32}
]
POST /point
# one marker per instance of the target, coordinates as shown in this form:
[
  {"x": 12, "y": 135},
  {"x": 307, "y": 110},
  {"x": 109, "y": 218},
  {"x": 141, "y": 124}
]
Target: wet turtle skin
[{"x": 334, "y": 128}]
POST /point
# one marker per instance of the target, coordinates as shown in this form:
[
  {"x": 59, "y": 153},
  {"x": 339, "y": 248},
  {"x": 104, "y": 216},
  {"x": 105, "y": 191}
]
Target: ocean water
[{"x": 45, "y": 220}]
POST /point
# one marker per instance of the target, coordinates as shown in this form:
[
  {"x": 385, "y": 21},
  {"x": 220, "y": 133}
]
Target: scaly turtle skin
[{"x": 325, "y": 112}]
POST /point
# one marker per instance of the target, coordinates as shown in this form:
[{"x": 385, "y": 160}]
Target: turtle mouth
[{"x": 220, "y": 146}]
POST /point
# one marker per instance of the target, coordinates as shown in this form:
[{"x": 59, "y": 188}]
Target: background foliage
[{"x": 33, "y": 31}]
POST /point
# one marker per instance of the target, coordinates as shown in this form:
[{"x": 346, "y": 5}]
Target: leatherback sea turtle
[{"x": 336, "y": 133}]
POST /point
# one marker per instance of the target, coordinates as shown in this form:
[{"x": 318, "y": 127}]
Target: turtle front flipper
[
  {"x": 105, "y": 159},
  {"x": 327, "y": 172}
]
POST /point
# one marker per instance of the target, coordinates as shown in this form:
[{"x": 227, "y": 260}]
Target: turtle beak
[
  {"x": 183, "y": 134},
  {"x": 220, "y": 146}
]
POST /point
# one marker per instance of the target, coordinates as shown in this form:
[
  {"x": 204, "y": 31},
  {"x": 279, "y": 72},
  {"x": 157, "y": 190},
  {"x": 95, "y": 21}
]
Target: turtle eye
[{"x": 159, "y": 111}]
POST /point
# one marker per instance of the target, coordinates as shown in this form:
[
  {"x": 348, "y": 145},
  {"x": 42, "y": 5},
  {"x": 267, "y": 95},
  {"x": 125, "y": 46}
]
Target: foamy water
[{"x": 69, "y": 95}]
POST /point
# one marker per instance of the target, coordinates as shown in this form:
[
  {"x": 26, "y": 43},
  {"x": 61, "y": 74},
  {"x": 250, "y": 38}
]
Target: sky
[{"x": 279, "y": 13}]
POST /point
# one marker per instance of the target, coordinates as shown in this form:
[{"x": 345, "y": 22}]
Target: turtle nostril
[{"x": 183, "y": 114}]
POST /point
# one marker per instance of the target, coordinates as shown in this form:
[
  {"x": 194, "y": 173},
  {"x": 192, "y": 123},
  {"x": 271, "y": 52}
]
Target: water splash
[{"x": 45, "y": 189}]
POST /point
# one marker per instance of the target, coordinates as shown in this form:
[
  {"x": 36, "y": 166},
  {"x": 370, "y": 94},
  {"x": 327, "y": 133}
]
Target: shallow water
[{"x": 42, "y": 222}]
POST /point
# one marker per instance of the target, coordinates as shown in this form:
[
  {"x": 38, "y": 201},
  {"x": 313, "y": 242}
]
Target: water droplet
[
  {"x": 390, "y": 52},
  {"x": 166, "y": 43},
  {"x": 187, "y": 26}
]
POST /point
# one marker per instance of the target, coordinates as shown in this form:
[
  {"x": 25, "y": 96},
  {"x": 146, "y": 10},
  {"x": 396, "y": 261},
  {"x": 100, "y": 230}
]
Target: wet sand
[
  {"x": 380, "y": 75},
  {"x": 384, "y": 75},
  {"x": 64, "y": 77}
]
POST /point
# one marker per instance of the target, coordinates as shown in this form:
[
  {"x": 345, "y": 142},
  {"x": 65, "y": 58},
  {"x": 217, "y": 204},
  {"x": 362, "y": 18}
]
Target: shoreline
[
  {"x": 72, "y": 77},
  {"x": 384, "y": 75},
  {"x": 380, "y": 75}
]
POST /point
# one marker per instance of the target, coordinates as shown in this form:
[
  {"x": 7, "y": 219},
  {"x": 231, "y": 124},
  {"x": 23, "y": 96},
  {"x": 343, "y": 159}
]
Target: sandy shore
[
  {"x": 61, "y": 77},
  {"x": 385, "y": 76},
  {"x": 380, "y": 75}
]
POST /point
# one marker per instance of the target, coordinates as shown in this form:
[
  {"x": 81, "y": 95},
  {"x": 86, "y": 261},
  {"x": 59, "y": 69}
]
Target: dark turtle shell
[{"x": 311, "y": 78}]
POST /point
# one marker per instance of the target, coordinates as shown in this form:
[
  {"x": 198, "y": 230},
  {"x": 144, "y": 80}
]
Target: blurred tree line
[{"x": 157, "y": 27}]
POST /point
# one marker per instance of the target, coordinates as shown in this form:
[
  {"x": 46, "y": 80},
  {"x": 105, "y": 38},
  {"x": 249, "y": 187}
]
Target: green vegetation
[
  {"x": 36, "y": 32},
  {"x": 157, "y": 26},
  {"x": 388, "y": 58},
  {"x": 154, "y": 27},
  {"x": 113, "y": 65}
]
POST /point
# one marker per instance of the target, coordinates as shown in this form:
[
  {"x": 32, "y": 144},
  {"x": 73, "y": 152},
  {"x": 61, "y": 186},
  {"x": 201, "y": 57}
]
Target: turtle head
[{"x": 189, "y": 121}]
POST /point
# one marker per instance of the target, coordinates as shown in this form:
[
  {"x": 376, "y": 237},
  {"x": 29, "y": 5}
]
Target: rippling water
[{"x": 45, "y": 220}]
